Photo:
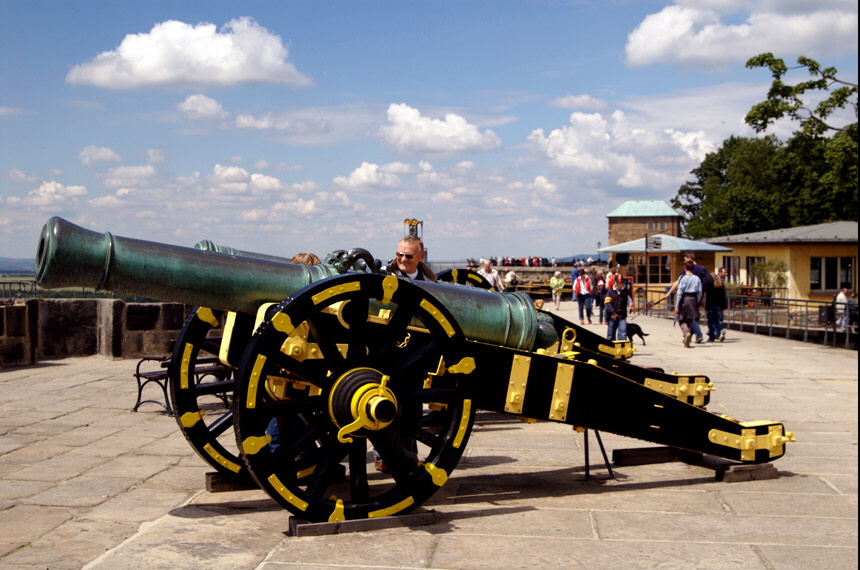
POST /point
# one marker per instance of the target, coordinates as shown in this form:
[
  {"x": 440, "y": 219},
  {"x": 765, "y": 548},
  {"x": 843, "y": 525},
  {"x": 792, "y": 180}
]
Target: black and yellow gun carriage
[{"x": 336, "y": 367}]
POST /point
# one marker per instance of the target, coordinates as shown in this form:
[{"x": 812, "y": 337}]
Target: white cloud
[
  {"x": 51, "y": 193},
  {"x": 337, "y": 199},
  {"x": 399, "y": 167},
  {"x": 176, "y": 54},
  {"x": 501, "y": 203},
  {"x": 229, "y": 173},
  {"x": 285, "y": 210},
  {"x": 600, "y": 151},
  {"x": 156, "y": 156},
  {"x": 306, "y": 186},
  {"x": 16, "y": 175},
  {"x": 200, "y": 107},
  {"x": 695, "y": 33},
  {"x": 409, "y": 131},
  {"x": 105, "y": 201},
  {"x": 314, "y": 125},
  {"x": 262, "y": 182},
  {"x": 583, "y": 145},
  {"x": 368, "y": 175},
  {"x": 11, "y": 111},
  {"x": 129, "y": 176},
  {"x": 232, "y": 180},
  {"x": 443, "y": 197},
  {"x": 92, "y": 155},
  {"x": 579, "y": 102}
]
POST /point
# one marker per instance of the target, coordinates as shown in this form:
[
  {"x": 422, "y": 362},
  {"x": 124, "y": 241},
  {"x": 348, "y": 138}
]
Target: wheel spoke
[
  {"x": 328, "y": 472},
  {"x": 396, "y": 329},
  {"x": 211, "y": 345},
  {"x": 415, "y": 362},
  {"x": 280, "y": 408},
  {"x": 431, "y": 440},
  {"x": 325, "y": 338},
  {"x": 222, "y": 424},
  {"x": 310, "y": 370},
  {"x": 214, "y": 388},
  {"x": 358, "y": 489},
  {"x": 435, "y": 395},
  {"x": 391, "y": 457}
]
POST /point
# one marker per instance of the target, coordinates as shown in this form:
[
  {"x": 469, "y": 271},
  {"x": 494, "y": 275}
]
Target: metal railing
[
  {"x": 14, "y": 289},
  {"x": 798, "y": 319}
]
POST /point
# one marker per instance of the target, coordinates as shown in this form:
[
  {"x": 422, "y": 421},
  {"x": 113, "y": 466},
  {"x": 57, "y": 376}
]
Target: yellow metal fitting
[
  {"x": 748, "y": 442},
  {"x": 517, "y": 384}
]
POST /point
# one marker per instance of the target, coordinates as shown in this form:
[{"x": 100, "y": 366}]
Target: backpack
[{"x": 707, "y": 281}]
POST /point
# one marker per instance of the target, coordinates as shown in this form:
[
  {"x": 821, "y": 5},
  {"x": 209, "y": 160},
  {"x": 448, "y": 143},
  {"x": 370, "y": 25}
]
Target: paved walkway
[{"x": 85, "y": 483}]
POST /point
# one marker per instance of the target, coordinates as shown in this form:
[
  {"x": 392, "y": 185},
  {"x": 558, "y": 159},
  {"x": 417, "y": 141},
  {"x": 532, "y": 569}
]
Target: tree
[
  {"x": 758, "y": 184},
  {"x": 838, "y": 175},
  {"x": 732, "y": 192},
  {"x": 785, "y": 100}
]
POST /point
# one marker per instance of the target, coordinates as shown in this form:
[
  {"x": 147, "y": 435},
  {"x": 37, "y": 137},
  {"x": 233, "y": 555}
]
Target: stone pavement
[{"x": 85, "y": 483}]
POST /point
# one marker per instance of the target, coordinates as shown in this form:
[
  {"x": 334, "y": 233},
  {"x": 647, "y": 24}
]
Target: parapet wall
[{"x": 56, "y": 328}]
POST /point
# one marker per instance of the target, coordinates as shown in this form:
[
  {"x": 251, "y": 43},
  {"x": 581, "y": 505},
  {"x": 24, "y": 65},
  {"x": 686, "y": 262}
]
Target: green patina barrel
[
  {"x": 72, "y": 256},
  {"x": 209, "y": 245}
]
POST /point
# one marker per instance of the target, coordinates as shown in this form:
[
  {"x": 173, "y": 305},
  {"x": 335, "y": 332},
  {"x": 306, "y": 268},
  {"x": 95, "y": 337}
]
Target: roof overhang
[{"x": 663, "y": 243}]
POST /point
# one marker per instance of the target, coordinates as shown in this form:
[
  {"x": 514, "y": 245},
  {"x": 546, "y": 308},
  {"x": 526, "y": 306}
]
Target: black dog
[{"x": 635, "y": 330}]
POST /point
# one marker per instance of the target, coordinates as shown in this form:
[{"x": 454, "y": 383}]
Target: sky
[{"x": 507, "y": 128}]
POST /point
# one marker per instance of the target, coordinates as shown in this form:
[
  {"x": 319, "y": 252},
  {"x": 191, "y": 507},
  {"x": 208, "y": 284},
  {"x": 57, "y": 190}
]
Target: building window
[
  {"x": 750, "y": 262},
  {"x": 662, "y": 226},
  {"x": 659, "y": 269},
  {"x": 650, "y": 226},
  {"x": 732, "y": 263},
  {"x": 831, "y": 273}
]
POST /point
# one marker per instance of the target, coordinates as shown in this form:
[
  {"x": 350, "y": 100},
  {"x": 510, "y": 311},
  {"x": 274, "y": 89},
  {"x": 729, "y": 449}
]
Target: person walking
[
  {"x": 582, "y": 290},
  {"x": 617, "y": 303},
  {"x": 715, "y": 303},
  {"x": 842, "y": 309},
  {"x": 556, "y": 285},
  {"x": 852, "y": 313},
  {"x": 707, "y": 282},
  {"x": 600, "y": 298},
  {"x": 687, "y": 300}
]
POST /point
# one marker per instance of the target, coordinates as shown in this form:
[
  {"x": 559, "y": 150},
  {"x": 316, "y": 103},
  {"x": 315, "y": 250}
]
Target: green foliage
[
  {"x": 786, "y": 100},
  {"x": 757, "y": 184},
  {"x": 770, "y": 275}
]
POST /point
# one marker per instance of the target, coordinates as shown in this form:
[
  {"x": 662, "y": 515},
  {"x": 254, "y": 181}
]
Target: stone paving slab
[{"x": 85, "y": 483}]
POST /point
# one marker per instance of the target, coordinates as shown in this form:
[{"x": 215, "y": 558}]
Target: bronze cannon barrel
[{"x": 71, "y": 256}]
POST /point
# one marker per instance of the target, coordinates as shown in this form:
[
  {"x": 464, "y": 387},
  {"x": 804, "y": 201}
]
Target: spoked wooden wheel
[
  {"x": 465, "y": 277},
  {"x": 347, "y": 364},
  {"x": 201, "y": 391}
]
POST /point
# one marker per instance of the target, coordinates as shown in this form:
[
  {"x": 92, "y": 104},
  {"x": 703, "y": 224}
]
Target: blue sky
[{"x": 508, "y": 128}]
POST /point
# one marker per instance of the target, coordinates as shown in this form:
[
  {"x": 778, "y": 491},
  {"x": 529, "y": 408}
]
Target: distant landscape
[{"x": 14, "y": 267}]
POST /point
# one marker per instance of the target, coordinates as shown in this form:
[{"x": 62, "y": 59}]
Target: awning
[{"x": 662, "y": 243}]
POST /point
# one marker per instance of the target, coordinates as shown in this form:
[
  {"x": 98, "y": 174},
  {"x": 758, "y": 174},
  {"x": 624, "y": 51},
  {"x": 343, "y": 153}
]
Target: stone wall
[
  {"x": 18, "y": 333},
  {"x": 56, "y": 328},
  {"x": 622, "y": 230}
]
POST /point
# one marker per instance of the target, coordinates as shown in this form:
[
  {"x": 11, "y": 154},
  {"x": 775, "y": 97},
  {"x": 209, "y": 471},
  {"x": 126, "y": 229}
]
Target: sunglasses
[{"x": 405, "y": 255}]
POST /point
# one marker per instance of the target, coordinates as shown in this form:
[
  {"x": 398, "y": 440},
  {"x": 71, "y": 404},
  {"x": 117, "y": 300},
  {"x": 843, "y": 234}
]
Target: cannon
[{"x": 337, "y": 367}]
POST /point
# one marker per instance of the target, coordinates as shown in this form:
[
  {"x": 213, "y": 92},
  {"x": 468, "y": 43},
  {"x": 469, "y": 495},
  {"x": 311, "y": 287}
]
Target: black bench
[{"x": 205, "y": 367}]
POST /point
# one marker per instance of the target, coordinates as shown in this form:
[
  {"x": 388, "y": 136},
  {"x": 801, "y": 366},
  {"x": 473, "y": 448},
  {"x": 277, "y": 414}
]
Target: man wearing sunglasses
[{"x": 409, "y": 260}]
